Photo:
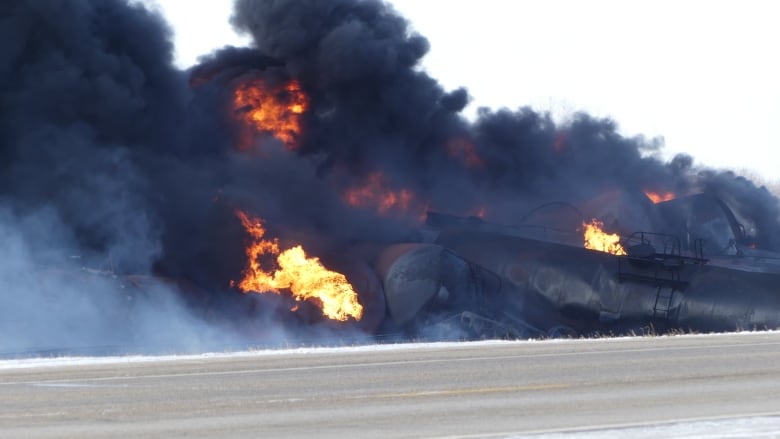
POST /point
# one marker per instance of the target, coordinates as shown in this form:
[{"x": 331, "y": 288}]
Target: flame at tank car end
[
  {"x": 303, "y": 276},
  {"x": 597, "y": 239}
]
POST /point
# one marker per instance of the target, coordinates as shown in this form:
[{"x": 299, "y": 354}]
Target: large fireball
[
  {"x": 272, "y": 110},
  {"x": 305, "y": 277}
]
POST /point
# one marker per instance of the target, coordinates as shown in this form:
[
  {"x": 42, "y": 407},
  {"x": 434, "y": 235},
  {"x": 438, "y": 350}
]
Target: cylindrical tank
[
  {"x": 600, "y": 292},
  {"x": 425, "y": 284}
]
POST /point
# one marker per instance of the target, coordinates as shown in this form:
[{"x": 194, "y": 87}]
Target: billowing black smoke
[
  {"x": 101, "y": 176},
  {"x": 112, "y": 160}
]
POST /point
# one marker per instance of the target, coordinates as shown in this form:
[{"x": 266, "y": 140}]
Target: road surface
[{"x": 487, "y": 389}]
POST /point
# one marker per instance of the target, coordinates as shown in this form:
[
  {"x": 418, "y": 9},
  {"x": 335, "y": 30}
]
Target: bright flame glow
[
  {"x": 466, "y": 151},
  {"x": 305, "y": 277},
  {"x": 597, "y": 239},
  {"x": 659, "y": 197},
  {"x": 559, "y": 142},
  {"x": 376, "y": 194},
  {"x": 480, "y": 212},
  {"x": 276, "y": 111}
]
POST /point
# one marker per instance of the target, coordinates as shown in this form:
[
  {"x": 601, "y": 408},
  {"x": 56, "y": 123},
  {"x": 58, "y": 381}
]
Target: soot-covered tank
[{"x": 697, "y": 271}]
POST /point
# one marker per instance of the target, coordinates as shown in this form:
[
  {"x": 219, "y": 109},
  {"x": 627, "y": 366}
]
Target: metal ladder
[{"x": 663, "y": 301}]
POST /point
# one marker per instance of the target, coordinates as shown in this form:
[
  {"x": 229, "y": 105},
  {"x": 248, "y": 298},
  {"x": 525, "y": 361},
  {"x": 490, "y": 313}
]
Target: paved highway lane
[{"x": 496, "y": 389}]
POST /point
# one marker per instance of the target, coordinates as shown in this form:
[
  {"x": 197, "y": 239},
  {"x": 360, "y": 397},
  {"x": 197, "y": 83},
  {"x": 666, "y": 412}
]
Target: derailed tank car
[
  {"x": 698, "y": 274},
  {"x": 597, "y": 292},
  {"x": 433, "y": 292}
]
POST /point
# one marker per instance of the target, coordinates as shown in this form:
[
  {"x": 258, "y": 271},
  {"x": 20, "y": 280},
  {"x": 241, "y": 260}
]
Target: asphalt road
[{"x": 456, "y": 390}]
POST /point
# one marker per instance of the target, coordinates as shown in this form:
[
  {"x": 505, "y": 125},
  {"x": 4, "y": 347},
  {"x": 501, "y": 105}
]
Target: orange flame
[
  {"x": 376, "y": 194},
  {"x": 559, "y": 142},
  {"x": 305, "y": 277},
  {"x": 480, "y": 212},
  {"x": 272, "y": 110},
  {"x": 466, "y": 151},
  {"x": 659, "y": 197},
  {"x": 597, "y": 239}
]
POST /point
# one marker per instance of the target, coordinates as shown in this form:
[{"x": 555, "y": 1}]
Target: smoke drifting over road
[{"x": 120, "y": 175}]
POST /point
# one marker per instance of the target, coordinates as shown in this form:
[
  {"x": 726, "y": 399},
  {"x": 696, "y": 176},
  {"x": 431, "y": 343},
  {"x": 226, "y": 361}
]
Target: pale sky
[{"x": 701, "y": 74}]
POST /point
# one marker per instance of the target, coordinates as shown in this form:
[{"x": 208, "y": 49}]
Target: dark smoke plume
[{"x": 114, "y": 163}]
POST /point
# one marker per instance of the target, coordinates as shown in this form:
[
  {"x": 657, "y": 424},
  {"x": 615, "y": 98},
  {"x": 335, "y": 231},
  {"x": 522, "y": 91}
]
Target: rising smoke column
[
  {"x": 374, "y": 110},
  {"x": 88, "y": 90},
  {"x": 95, "y": 155}
]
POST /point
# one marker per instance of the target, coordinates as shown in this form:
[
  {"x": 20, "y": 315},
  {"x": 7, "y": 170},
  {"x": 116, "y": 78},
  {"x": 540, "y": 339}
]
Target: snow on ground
[
  {"x": 57, "y": 361},
  {"x": 734, "y": 428},
  {"x": 89, "y": 361}
]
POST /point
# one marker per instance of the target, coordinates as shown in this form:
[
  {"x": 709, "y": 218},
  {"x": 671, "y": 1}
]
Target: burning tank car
[{"x": 698, "y": 272}]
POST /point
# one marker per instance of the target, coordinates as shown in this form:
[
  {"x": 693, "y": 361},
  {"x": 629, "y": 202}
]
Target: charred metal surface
[
  {"x": 596, "y": 292},
  {"x": 432, "y": 290}
]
